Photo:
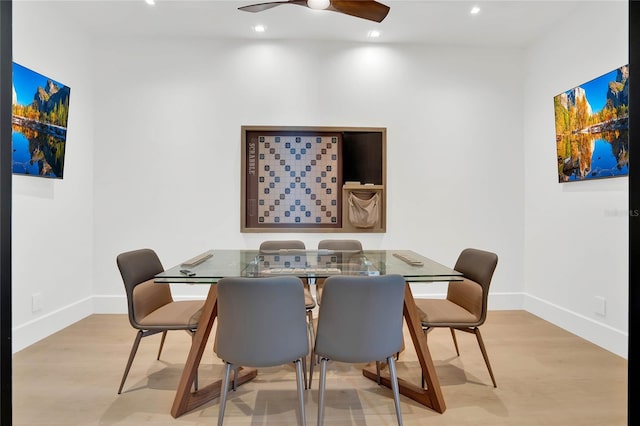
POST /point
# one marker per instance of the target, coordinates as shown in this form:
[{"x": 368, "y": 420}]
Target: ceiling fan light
[{"x": 318, "y": 4}]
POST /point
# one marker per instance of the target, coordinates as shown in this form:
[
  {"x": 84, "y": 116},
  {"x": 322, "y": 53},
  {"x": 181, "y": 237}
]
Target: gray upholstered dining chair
[
  {"x": 360, "y": 320},
  {"x": 261, "y": 323},
  {"x": 150, "y": 305},
  {"x": 465, "y": 307},
  {"x": 350, "y": 246},
  {"x": 275, "y": 246}
]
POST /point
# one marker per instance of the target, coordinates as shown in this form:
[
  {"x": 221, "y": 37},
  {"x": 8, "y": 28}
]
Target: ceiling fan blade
[
  {"x": 365, "y": 9},
  {"x": 264, "y": 6}
]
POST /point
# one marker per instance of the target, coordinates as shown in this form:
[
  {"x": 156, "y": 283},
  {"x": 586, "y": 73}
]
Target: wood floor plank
[{"x": 545, "y": 375}]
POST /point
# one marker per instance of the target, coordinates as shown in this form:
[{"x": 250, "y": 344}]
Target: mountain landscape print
[
  {"x": 40, "y": 110},
  {"x": 592, "y": 128}
]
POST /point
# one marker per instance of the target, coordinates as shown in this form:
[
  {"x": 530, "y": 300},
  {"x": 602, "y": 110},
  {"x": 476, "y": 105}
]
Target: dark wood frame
[{"x": 343, "y": 224}]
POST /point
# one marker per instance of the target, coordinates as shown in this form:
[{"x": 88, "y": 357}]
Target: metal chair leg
[
  {"x": 164, "y": 336},
  {"x": 312, "y": 334},
  {"x": 312, "y": 341},
  {"x": 195, "y": 380},
  {"x": 313, "y": 356},
  {"x": 236, "y": 371},
  {"x": 484, "y": 355},
  {"x": 455, "y": 341},
  {"x": 304, "y": 371},
  {"x": 132, "y": 355},
  {"x": 134, "y": 349},
  {"x": 394, "y": 386},
  {"x": 223, "y": 393},
  {"x": 299, "y": 375},
  {"x": 425, "y": 331},
  {"x": 323, "y": 378}
]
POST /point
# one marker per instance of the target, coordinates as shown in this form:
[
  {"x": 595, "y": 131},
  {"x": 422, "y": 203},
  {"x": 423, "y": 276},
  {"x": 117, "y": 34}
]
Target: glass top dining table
[
  {"x": 217, "y": 264},
  {"x": 211, "y": 266}
]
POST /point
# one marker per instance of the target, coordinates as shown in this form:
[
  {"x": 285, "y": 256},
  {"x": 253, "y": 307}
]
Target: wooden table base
[
  {"x": 185, "y": 399},
  {"x": 431, "y": 396}
]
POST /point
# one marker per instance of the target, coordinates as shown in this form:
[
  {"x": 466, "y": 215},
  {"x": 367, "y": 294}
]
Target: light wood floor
[{"x": 545, "y": 375}]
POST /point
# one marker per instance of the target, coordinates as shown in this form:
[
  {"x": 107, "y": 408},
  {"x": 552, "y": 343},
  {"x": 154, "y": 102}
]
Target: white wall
[
  {"x": 167, "y": 171},
  {"x": 53, "y": 219},
  {"x": 576, "y": 234},
  {"x": 154, "y": 161}
]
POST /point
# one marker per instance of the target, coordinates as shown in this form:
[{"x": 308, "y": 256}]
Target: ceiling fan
[{"x": 365, "y": 9}]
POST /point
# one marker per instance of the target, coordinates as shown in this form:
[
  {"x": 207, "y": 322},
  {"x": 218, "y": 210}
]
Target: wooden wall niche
[{"x": 304, "y": 179}]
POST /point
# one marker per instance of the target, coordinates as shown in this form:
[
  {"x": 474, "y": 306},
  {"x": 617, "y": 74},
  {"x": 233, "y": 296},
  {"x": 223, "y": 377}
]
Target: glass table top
[{"x": 308, "y": 263}]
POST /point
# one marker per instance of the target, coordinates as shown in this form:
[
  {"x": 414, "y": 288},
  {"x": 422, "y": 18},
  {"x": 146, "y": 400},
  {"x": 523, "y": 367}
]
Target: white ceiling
[{"x": 500, "y": 22}]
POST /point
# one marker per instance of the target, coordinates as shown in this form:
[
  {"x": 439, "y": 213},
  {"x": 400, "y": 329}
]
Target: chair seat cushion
[
  {"x": 175, "y": 315},
  {"x": 442, "y": 312}
]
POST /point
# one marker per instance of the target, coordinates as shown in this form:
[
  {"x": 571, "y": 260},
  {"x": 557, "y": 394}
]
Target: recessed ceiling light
[
  {"x": 318, "y": 4},
  {"x": 475, "y": 10},
  {"x": 373, "y": 34},
  {"x": 150, "y": 2},
  {"x": 259, "y": 28}
]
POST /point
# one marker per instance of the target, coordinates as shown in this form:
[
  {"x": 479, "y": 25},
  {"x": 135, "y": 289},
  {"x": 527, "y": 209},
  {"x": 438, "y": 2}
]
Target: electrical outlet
[
  {"x": 600, "y": 306},
  {"x": 36, "y": 302}
]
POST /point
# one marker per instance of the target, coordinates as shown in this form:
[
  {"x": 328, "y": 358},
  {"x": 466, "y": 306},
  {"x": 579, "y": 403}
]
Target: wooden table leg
[
  {"x": 431, "y": 396},
  {"x": 186, "y": 400}
]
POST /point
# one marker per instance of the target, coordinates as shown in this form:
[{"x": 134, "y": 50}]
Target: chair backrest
[
  {"x": 348, "y": 245},
  {"x": 270, "y": 250},
  {"x": 261, "y": 321},
  {"x": 138, "y": 269},
  {"x": 360, "y": 318},
  {"x": 345, "y": 251},
  {"x": 472, "y": 293},
  {"x": 271, "y": 245}
]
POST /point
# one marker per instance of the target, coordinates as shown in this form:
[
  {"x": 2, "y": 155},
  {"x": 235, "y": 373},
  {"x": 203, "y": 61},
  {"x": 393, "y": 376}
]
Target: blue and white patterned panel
[{"x": 298, "y": 180}]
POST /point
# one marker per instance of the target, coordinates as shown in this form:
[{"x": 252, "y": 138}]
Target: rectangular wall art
[
  {"x": 592, "y": 128},
  {"x": 40, "y": 112},
  {"x": 313, "y": 179}
]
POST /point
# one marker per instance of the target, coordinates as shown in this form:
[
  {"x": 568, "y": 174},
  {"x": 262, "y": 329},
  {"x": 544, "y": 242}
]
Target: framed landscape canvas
[
  {"x": 592, "y": 128},
  {"x": 39, "y": 124}
]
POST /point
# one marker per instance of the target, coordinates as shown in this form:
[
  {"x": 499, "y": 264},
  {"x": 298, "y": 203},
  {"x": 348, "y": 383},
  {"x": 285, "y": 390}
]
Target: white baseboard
[
  {"x": 29, "y": 333},
  {"x": 609, "y": 338},
  {"x": 600, "y": 334},
  {"x": 603, "y": 335}
]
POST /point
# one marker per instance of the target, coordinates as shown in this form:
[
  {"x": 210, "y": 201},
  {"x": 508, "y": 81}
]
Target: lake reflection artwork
[
  {"x": 592, "y": 128},
  {"x": 40, "y": 110}
]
